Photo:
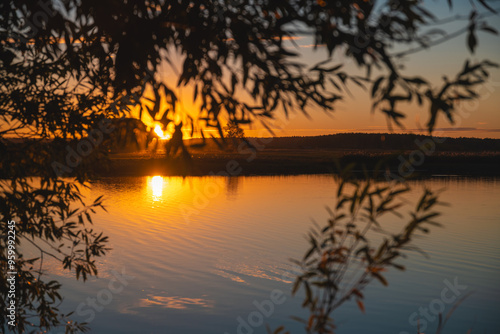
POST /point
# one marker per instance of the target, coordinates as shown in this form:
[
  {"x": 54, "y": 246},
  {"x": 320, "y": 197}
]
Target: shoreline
[{"x": 296, "y": 162}]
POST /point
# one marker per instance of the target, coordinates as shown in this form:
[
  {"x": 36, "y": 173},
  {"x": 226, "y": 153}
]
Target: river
[{"x": 211, "y": 255}]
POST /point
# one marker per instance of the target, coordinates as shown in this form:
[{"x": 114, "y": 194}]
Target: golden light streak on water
[{"x": 157, "y": 185}]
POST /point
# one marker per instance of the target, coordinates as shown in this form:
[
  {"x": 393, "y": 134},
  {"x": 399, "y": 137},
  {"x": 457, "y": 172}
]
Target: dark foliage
[
  {"x": 65, "y": 66},
  {"x": 385, "y": 141}
]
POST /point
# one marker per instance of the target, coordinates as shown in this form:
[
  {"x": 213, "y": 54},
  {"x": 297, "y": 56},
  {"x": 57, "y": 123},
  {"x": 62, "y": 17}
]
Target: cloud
[
  {"x": 465, "y": 129},
  {"x": 175, "y": 302},
  {"x": 455, "y": 129},
  {"x": 312, "y": 45},
  {"x": 291, "y": 38}
]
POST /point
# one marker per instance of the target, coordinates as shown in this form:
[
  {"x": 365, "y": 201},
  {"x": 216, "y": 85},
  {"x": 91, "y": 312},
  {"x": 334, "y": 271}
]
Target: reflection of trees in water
[{"x": 232, "y": 184}]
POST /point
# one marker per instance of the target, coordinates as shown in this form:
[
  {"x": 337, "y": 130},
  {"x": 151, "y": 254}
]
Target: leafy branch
[{"x": 355, "y": 247}]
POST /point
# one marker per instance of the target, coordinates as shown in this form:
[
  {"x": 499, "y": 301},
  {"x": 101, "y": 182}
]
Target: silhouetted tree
[
  {"x": 232, "y": 130},
  {"x": 67, "y": 66},
  {"x": 176, "y": 143},
  {"x": 234, "y": 133}
]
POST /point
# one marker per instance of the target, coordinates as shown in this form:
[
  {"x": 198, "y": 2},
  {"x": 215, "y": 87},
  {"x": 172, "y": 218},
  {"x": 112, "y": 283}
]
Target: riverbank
[{"x": 303, "y": 161}]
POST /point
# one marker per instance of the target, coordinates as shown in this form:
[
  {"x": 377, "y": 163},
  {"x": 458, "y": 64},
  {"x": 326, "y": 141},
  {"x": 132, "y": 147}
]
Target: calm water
[{"x": 205, "y": 252}]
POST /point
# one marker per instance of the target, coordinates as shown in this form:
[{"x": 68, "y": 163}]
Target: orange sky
[{"x": 479, "y": 118}]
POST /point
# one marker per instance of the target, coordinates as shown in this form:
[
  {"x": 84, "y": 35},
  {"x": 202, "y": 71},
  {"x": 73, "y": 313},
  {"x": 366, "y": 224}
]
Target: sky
[
  {"x": 480, "y": 118},
  {"x": 353, "y": 114}
]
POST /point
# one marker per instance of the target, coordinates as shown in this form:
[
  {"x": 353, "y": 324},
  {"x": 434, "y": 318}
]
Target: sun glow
[
  {"x": 157, "y": 186},
  {"x": 161, "y": 134}
]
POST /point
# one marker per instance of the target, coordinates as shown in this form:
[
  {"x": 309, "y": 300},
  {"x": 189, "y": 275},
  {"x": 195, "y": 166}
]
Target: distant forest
[
  {"x": 385, "y": 142},
  {"x": 341, "y": 141}
]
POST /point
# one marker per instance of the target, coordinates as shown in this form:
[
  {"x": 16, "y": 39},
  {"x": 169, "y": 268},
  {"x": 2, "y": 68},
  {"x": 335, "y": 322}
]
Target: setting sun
[{"x": 160, "y": 133}]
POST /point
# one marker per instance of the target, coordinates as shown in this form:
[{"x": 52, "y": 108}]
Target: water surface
[{"x": 207, "y": 252}]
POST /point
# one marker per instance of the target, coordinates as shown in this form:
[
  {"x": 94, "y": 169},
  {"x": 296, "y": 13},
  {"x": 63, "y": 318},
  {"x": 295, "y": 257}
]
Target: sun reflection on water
[{"x": 157, "y": 187}]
